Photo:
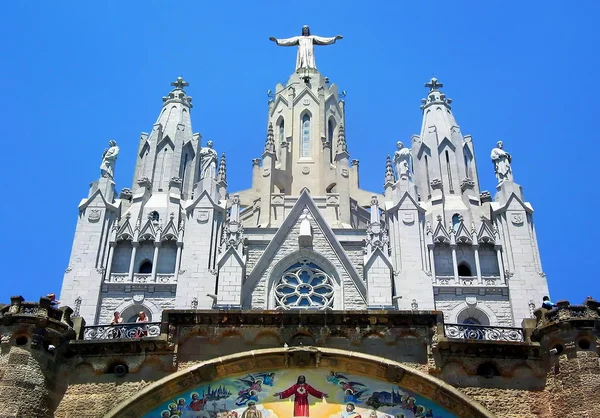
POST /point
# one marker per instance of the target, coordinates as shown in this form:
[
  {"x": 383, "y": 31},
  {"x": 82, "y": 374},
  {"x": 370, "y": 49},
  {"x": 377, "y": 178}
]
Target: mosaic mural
[{"x": 299, "y": 393}]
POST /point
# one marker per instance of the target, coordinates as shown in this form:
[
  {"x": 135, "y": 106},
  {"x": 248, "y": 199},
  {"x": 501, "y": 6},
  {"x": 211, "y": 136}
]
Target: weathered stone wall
[{"x": 91, "y": 395}]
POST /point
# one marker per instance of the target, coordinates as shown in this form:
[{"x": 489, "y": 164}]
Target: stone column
[
  {"x": 455, "y": 264},
  {"x": 111, "y": 251},
  {"x": 498, "y": 249},
  {"x": 432, "y": 264},
  {"x": 477, "y": 264},
  {"x": 134, "y": 246},
  {"x": 155, "y": 261},
  {"x": 178, "y": 259}
]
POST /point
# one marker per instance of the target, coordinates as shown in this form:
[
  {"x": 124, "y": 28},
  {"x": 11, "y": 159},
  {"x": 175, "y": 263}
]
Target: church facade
[
  {"x": 303, "y": 295},
  {"x": 305, "y": 235}
]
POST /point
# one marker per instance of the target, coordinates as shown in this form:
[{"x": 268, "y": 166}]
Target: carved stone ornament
[
  {"x": 306, "y": 102},
  {"x": 138, "y": 298},
  {"x": 516, "y": 218},
  {"x": 144, "y": 182},
  {"x": 471, "y": 300},
  {"x": 203, "y": 216},
  {"x": 344, "y": 172},
  {"x": 408, "y": 218},
  {"x": 436, "y": 184},
  {"x": 277, "y": 200},
  {"x": 305, "y": 170},
  {"x": 94, "y": 215},
  {"x": 175, "y": 182},
  {"x": 485, "y": 196},
  {"x": 467, "y": 183},
  {"x": 333, "y": 200},
  {"x": 125, "y": 194},
  {"x": 266, "y": 172}
]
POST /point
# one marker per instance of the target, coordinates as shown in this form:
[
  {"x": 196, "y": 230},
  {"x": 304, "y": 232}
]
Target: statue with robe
[
  {"x": 109, "y": 159},
  {"x": 208, "y": 161},
  {"x": 501, "y": 160},
  {"x": 402, "y": 160},
  {"x": 306, "y": 42},
  {"x": 301, "y": 391}
]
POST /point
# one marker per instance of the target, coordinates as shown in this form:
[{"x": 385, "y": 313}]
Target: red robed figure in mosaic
[{"x": 301, "y": 390}]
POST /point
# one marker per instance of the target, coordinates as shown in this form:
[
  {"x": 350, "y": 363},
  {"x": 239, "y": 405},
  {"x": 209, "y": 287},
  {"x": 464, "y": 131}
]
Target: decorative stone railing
[
  {"x": 143, "y": 278},
  {"x": 123, "y": 331},
  {"x": 483, "y": 332},
  {"x": 468, "y": 281}
]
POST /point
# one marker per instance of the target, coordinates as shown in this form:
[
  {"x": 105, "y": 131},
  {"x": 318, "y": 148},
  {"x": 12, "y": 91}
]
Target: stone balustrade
[
  {"x": 142, "y": 278},
  {"x": 483, "y": 332},
  {"x": 122, "y": 331},
  {"x": 494, "y": 281}
]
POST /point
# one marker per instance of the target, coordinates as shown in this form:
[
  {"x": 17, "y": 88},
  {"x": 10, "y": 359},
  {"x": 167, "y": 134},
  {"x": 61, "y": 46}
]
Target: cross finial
[
  {"x": 433, "y": 84},
  {"x": 180, "y": 83}
]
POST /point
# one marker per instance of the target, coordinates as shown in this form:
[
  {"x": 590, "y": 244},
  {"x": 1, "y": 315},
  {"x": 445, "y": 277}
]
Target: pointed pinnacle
[
  {"x": 222, "y": 173},
  {"x": 270, "y": 142},
  {"x": 342, "y": 145}
]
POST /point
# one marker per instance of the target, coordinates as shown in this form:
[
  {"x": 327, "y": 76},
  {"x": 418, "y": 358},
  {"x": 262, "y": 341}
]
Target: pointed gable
[
  {"x": 463, "y": 235},
  {"x": 169, "y": 232},
  {"x": 284, "y": 248},
  {"x": 148, "y": 231},
  {"x": 125, "y": 232},
  {"x": 441, "y": 234},
  {"x": 485, "y": 234}
]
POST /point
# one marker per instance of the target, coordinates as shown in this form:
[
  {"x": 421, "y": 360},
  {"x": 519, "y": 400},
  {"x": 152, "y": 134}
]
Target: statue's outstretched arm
[
  {"x": 286, "y": 41},
  {"x": 320, "y": 40}
]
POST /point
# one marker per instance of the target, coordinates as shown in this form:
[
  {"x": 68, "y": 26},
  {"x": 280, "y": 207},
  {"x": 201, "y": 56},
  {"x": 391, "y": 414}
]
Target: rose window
[{"x": 304, "y": 286}]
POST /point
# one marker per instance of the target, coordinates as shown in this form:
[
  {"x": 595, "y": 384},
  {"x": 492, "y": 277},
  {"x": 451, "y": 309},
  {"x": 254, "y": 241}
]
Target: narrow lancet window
[
  {"x": 330, "y": 130},
  {"x": 451, "y": 188},
  {"x": 428, "y": 179},
  {"x": 305, "y": 143}
]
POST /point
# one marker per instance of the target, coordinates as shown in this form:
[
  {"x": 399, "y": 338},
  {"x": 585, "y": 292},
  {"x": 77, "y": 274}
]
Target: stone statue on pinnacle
[{"x": 306, "y": 42}]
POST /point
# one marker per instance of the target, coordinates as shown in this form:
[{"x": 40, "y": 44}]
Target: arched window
[
  {"x": 154, "y": 216},
  {"x": 305, "y": 142},
  {"x": 455, "y": 221},
  {"x": 304, "y": 286},
  {"x": 473, "y": 316},
  {"x": 281, "y": 130},
  {"x": 145, "y": 267},
  {"x": 464, "y": 269}
]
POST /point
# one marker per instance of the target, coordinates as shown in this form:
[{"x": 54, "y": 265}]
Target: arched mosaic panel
[
  {"x": 286, "y": 393},
  {"x": 304, "y": 286}
]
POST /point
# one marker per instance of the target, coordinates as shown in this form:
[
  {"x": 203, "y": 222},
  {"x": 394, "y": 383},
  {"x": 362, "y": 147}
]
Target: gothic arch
[
  {"x": 285, "y": 263},
  {"x": 385, "y": 370},
  {"x": 127, "y": 307},
  {"x": 462, "y": 309}
]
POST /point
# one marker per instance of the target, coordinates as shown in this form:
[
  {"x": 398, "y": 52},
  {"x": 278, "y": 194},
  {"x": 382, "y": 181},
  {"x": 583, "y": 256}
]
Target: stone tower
[{"x": 305, "y": 235}]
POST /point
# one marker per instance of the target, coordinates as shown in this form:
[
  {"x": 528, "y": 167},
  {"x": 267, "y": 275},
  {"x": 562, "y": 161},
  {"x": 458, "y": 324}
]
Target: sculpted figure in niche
[
  {"x": 208, "y": 161},
  {"x": 501, "y": 160},
  {"x": 306, "y": 43},
  {"x": 402, "y": 161},
  {"x": 109, "y": 159}
]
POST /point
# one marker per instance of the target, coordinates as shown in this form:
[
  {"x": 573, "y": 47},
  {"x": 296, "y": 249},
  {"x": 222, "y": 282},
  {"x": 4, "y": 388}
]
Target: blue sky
[{"x": 76, "y": 74}]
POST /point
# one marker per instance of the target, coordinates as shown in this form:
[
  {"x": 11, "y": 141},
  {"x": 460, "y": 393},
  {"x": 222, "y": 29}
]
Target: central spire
[{"x": 306, "y": 42}]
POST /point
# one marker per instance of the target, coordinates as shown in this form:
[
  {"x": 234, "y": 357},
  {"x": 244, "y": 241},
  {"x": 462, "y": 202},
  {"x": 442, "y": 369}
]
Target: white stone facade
[{"x": 431, "y": 241}]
